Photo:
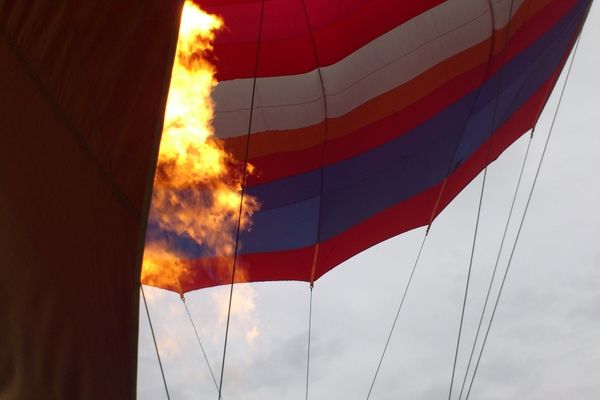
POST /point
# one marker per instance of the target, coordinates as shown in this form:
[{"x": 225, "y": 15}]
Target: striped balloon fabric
[{"x": 365, "y": 118}]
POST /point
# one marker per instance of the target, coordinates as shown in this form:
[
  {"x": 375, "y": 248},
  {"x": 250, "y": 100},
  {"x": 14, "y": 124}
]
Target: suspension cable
[
  {"x": 489, "y": 147},
  {"x": 496, "y": 265},
  {"x": 321, "y": 184},
  {"x": 501, "y": 248},
  {"x": 162, "y": 371},
  {"x": 243, "y": 189},
  {"x": 535, "y": 179},
  {"x": 389, "y": 337},
  {"x": 464, "y": 304},
  {"x": 200, "y": 343},
  {"x": 309, "y": 332}
]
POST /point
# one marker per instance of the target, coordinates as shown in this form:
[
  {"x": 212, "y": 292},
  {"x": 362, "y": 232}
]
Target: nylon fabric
[{"x": 82, "y": 93}]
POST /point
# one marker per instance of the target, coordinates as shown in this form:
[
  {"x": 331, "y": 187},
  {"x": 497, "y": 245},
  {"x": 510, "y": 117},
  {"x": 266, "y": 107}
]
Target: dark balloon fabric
[
  {"x": 82, "y": 93},
  {"x": 370, "y": 116}
]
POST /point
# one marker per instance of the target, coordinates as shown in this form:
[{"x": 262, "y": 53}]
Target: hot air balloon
[{"x": 361, "y": 120}]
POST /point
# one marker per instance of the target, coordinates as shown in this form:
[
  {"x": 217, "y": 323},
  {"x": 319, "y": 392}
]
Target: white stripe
[{"x": 295, "y": 101}]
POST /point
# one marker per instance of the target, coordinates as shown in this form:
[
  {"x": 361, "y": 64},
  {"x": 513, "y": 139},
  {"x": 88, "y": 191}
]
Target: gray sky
[{"x": 545, "y": 341}]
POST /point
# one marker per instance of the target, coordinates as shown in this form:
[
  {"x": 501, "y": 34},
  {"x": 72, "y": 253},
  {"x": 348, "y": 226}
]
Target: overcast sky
[{"x": 545, "y": 341}]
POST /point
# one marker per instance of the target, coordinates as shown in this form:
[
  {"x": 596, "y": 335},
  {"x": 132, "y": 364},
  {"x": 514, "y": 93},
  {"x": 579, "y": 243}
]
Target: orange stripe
[
  {"x": 269, "y": 142},
  {"x": 391, "y": 102}
]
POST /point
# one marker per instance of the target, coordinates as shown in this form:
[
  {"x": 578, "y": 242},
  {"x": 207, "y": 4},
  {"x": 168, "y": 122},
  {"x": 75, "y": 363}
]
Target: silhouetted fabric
[{"x": 82, "y": 94}]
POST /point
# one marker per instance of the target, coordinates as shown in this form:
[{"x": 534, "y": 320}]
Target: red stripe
[
  {"x": 286, "y": 48},
  {"x": 292, "y": 265}
]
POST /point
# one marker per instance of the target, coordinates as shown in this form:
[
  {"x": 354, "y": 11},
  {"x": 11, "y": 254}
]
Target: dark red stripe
[{"x": 287, "y": 48}]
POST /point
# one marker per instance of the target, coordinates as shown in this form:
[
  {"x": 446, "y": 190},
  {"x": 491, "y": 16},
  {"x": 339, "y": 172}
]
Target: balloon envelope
[{"x": 369, "y": 117}]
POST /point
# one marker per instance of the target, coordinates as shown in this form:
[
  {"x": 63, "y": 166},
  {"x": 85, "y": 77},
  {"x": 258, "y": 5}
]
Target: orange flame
[{"x": 198, "y": 185}]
